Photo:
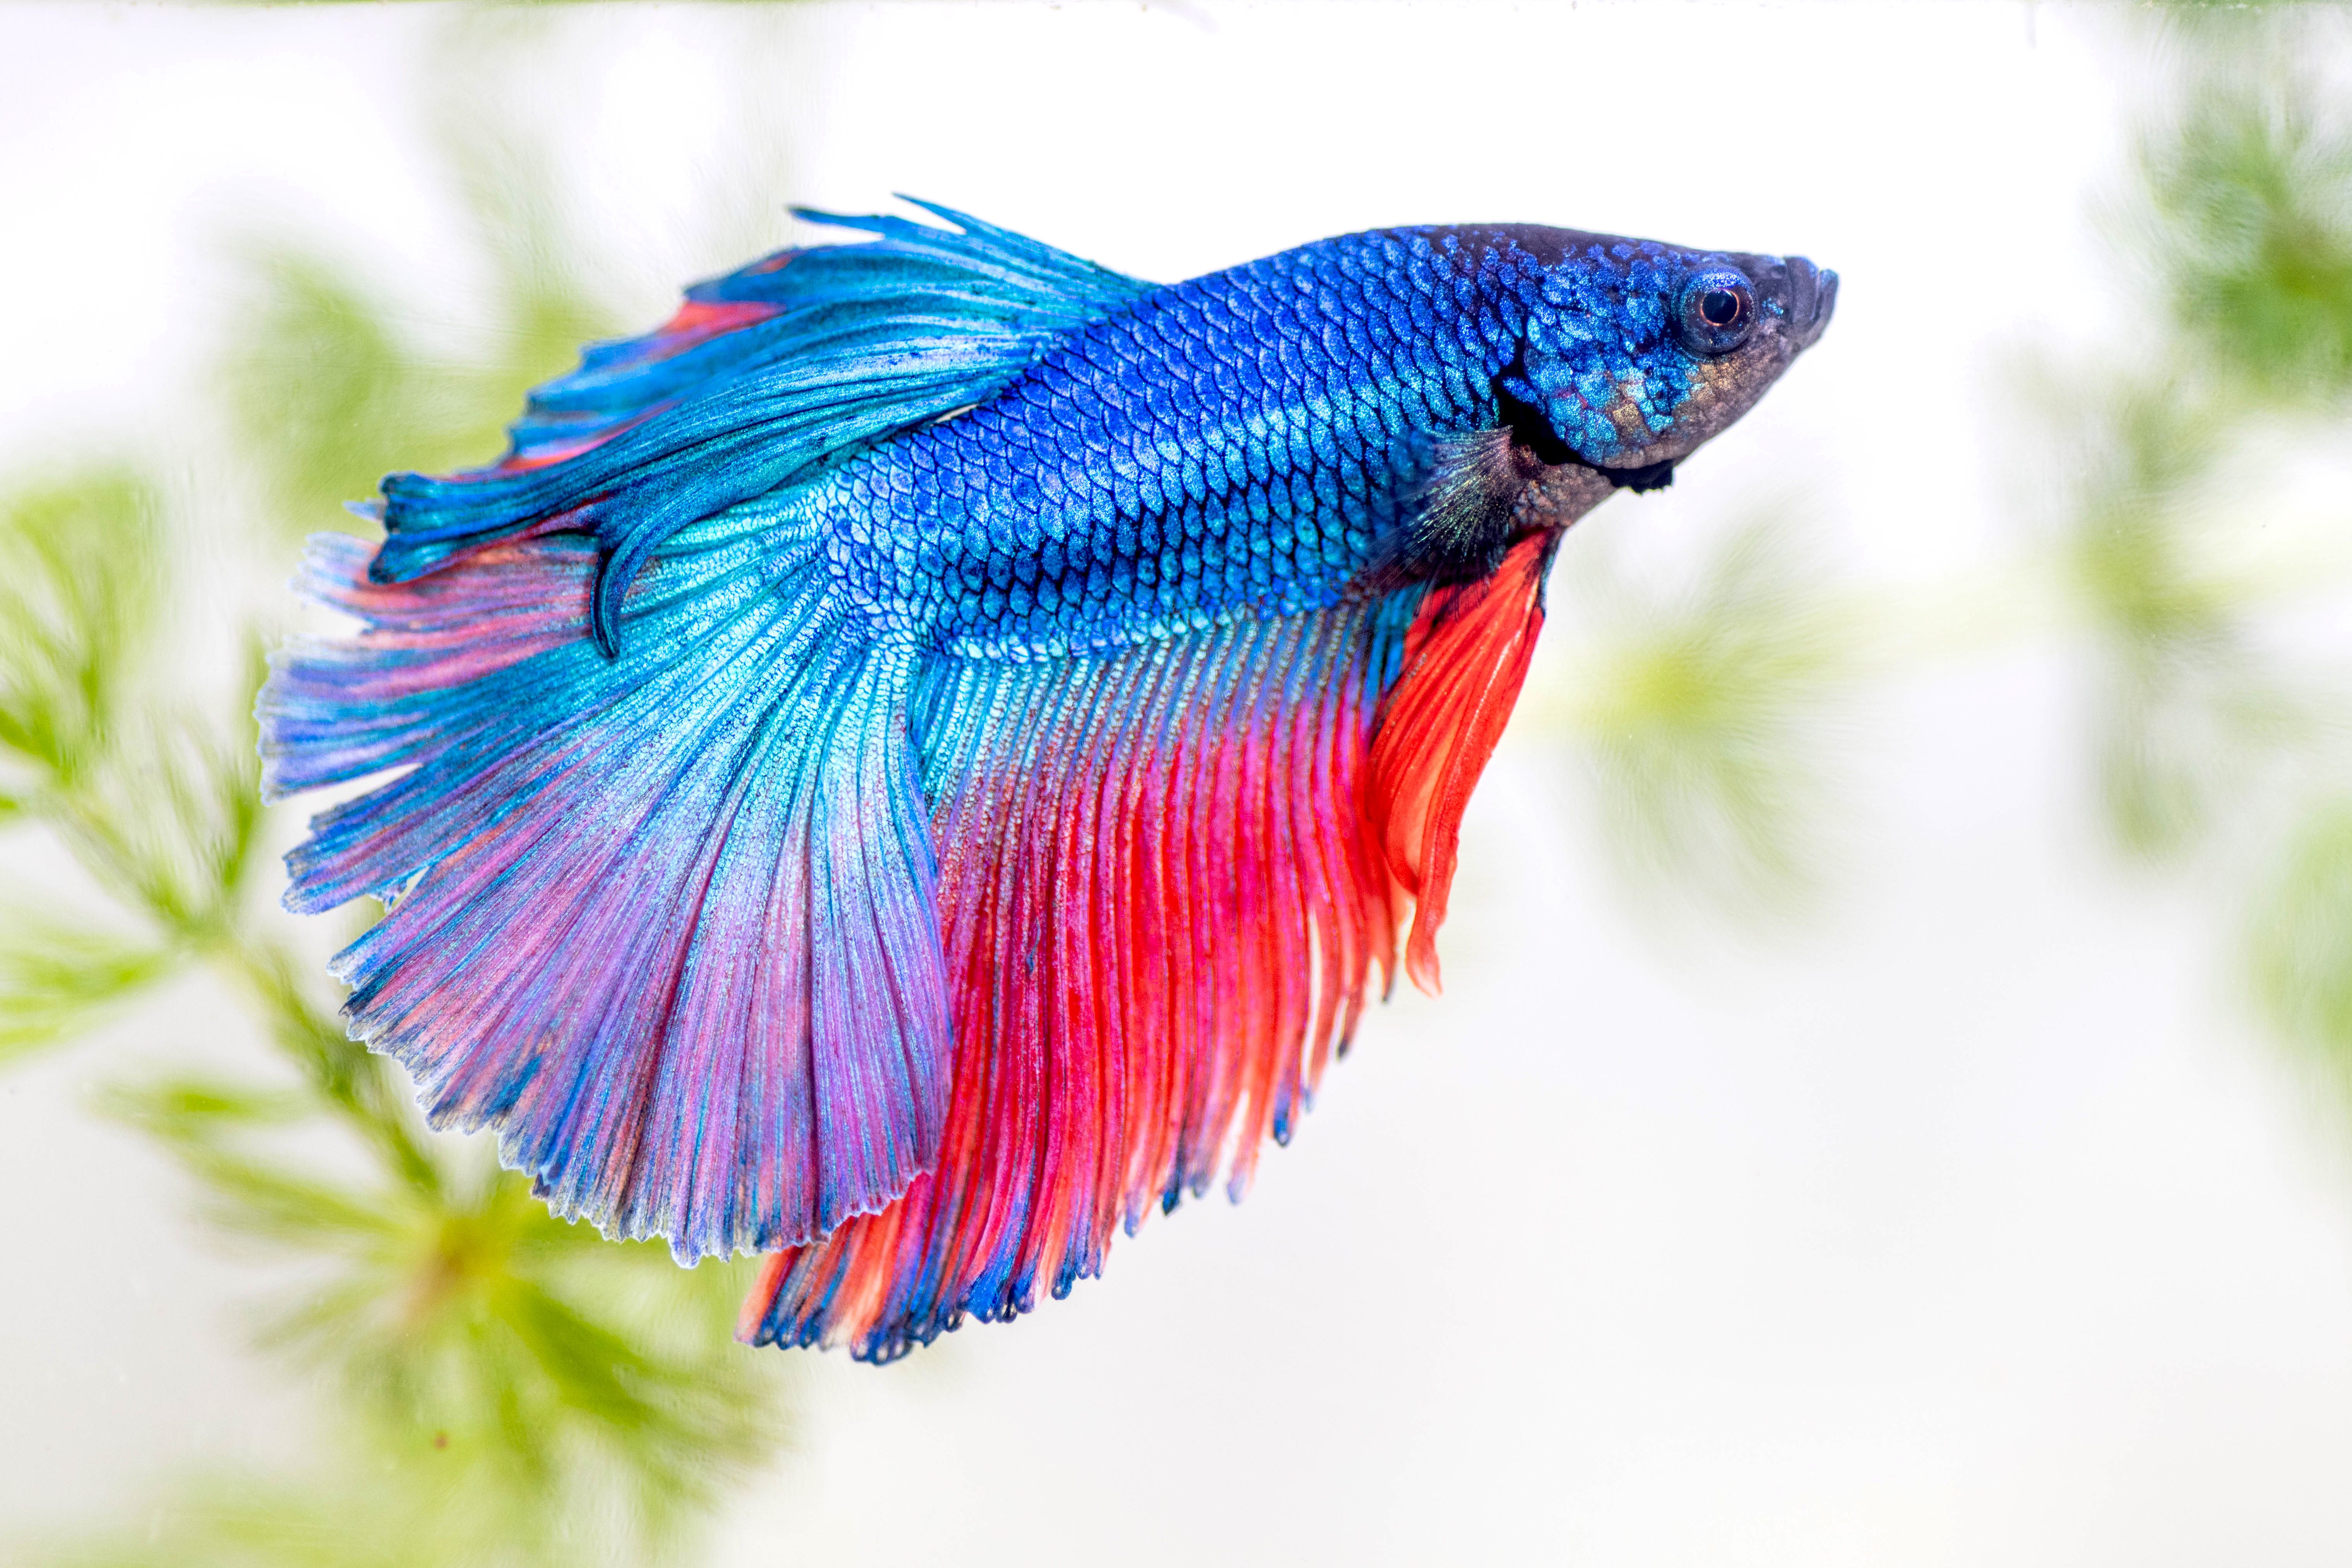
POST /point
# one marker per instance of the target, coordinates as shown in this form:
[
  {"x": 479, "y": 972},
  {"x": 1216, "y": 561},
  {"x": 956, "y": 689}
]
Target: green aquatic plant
[
  {"x": 2190, "y": 708},
  {"x": 493, "y": 1363},
  {"x": 2246, "y": 224},
  {"x": 77, "y": 591},
  {"x": 1706, "y": 713},
  {"x": 326, "y": 385},
  {"x": 2239, "y": 218},
  {"x": 2299, "y": 946},
  {"x": 498, "y": 1386}
]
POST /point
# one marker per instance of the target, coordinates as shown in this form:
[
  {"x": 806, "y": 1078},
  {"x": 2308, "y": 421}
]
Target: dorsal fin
[{"x": 762, "y": 375}]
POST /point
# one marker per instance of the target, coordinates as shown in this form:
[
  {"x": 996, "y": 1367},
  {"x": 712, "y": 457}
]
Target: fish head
[{"x": 1635, "y": 352}]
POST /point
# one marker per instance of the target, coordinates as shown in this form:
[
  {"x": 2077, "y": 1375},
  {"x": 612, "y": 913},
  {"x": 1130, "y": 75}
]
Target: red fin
[
  {"x": 1165, "y": 877},
  {"x": 1464, "y": 660},
  {"x": 1159, "y": 909}
]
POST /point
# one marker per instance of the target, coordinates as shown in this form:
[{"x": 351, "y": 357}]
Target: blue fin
[
  {"x": 666, "y": 921},
  {"x": 764, "y": 374}
]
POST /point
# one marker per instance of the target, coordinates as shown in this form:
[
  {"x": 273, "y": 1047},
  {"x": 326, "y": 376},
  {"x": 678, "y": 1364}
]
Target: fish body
[
  {"x": 1252, "y": 437},
  {"x": 919, "y": 759}
]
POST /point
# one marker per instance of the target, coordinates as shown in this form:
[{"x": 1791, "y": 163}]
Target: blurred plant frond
[
  {"x": 2180, "y": 738},
  {"x": 2246, "y": 223},
  {"x": 509, "y": 1388},
  {"x": 186, "y": 1112},
  {"x": 455, "y": 1316},
  {"x": 57, "y": 980},
  {"x": 2189, "y": 710},
  {"x": 1703, "y": 712},
  {"x": 563, "y": 1366},
  {"x": 2239, "y": 217},
  {"x": 157, "y": 800},
  {"x": 2239, "y": 214},
  {"x": 476, "y": 1338},
  {"x": 2300, "y": 939},
  {"x": 169, "y": 822},
  {"x": 78, "y": 591},
  {"x": 2135, "y": 455},
  {"x": 328, "y": 393},
  {"x": 203, "y": 1122},
  {"x": 320, "y": 392},
  {"x": 327, "y": 386}
]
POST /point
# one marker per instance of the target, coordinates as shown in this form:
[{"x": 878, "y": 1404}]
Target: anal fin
[{"x": 1465, "y": 656}]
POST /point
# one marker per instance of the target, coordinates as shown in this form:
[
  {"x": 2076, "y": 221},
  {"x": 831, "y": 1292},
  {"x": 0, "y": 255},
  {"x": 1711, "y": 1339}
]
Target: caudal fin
[{"x": 665, "y": 922}]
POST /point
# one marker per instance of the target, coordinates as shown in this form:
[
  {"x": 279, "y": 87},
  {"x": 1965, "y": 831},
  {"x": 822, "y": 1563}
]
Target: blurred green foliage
[
  {"x": 1704, "y": 709},
  {"x": 323, "y": 384},
  {"x": 2247, "y": 223},
  {"x": 78, "y": 593},
  {"x": 2239, "y": 215},
  {"x": 505, "y": 1387},
  {"x": 2190, "y": 711},
  {"x": 2301, "y": 938},
  {"x": 55, "y": 979},
  {"x": 510, "y": 1389}
]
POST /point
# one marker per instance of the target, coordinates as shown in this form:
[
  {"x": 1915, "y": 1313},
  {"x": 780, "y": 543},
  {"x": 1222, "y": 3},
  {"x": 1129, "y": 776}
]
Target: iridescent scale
[{"x": 1238, "y": 440}]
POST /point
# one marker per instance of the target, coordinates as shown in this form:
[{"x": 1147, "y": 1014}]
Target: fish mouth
[
  {"x": 1812, "y": 299},
  {"x": 1804, "y": 294}
]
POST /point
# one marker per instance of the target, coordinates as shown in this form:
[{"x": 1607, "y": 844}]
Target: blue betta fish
[{"x": 915, "y": 762}]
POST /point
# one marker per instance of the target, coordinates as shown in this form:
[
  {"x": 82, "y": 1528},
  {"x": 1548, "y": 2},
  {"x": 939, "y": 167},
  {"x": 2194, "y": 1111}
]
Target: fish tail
[{"x": 667, "y": 923}]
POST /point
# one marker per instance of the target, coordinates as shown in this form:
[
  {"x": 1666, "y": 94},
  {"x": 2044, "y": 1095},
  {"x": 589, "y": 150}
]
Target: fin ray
[
  {"x": 759, "y": 377},
  {"x": 1166, "y": 877},
  {"x": 667, "y": 923}
]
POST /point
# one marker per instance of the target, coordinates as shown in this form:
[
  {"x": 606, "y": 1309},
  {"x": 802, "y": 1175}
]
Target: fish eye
[{"x": 1716, "y": 310}]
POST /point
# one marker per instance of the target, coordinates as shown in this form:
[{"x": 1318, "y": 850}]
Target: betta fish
[{"x": 919, "y": 759}]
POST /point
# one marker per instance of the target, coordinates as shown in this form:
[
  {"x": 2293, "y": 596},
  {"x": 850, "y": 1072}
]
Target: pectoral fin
[{"x": 1458, "y": 515}]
